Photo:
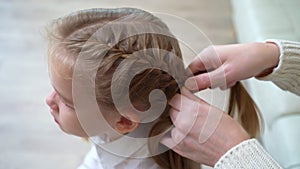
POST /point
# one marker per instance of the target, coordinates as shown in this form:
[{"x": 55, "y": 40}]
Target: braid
[
  {"x": 135, "y": 39},
  {"x": 137, "y": 51}
]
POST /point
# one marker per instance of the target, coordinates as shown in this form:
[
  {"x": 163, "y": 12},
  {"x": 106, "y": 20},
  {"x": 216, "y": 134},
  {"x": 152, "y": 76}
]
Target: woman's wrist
[
  {"x": 271, "y": 56},
  {"x": 274, "y": 50},
  {"x": 248, "y": 154}
]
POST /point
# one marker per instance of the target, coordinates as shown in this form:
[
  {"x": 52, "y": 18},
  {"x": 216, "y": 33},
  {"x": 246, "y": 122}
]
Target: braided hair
[{"x": 125, "y": 49}]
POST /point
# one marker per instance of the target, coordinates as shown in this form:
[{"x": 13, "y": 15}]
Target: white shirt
[
  {"x": 132, "y": 153},
  {"x": 91, "y": 160}
]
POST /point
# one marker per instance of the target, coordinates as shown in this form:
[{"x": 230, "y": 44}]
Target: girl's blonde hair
[{"x": 69, "y": 35}]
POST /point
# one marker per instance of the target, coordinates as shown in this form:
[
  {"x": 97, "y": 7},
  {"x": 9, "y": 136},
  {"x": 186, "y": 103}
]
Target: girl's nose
[{"x": 50, "y": 100}]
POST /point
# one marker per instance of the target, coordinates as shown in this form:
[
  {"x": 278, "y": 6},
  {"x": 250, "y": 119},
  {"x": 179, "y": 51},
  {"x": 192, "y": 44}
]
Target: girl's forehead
[
  {"x": 61, "y": 65},
  {"x": 61, "y": 68}
]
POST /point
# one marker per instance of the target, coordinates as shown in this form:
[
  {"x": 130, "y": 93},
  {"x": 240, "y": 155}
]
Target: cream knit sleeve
[
  {"x": 247, "y": 155},
  {"x": 287, "y": 74},
  {"x": 250, "y": 154}
]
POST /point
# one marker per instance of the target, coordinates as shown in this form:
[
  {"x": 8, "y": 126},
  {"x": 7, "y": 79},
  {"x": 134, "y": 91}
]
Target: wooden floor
[{"x": 29, "y": 137}]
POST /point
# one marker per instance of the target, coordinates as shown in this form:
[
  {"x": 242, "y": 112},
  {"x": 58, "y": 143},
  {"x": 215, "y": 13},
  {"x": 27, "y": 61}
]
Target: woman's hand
[
  {"x": 189, "y": 115},
  {"x": 228, "y": 64}
]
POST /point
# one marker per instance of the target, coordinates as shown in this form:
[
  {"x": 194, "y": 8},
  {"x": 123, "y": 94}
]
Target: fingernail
[{"x": 191, "y": 84}]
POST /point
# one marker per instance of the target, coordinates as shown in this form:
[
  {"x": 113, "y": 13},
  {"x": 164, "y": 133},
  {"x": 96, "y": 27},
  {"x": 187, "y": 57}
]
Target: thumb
[
  {"x": 196, "y": 65},
  {"x": 198, "y": 82}
]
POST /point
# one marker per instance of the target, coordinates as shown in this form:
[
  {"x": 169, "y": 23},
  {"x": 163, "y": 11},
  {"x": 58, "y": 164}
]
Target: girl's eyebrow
[{"x": 61, "y": 96}]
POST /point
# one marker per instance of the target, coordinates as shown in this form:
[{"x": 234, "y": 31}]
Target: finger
[
  {"x": 173, "y": 114},
  {"x": 228, "y": 86},
  {"x": 213, "y": 79},
  {"x": 208, "y": 59},
  {"x": 177, "y": 135},
  {"x": 175, "y": 102},
  {"x": 203, "y": 105},
  {"x": 180, "y": 102},
  {"x": 209, "y": 115},
  {"x": 199, "y": 82},
  {"x": 218, "y": 77},
  {"x": 190, "y": 95},
  {"x": 184, "y": 122},
  {"x": 232, "y": 84},
  {"x": 187, "y": 109},
  {"x": 185, "y": 112},
  {"x": 196, "y": 65},
  {"x": 168, "y": 141},
  {"x": 224, "y": 87}
]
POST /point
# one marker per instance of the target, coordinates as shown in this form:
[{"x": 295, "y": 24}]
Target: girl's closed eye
[
  {"x": 68, "y": 105},
  {"x": 65, "y": 102}
]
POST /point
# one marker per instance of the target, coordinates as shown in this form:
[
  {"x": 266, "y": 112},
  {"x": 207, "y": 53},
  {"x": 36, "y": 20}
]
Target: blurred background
[{"x": 29, "y": 138}]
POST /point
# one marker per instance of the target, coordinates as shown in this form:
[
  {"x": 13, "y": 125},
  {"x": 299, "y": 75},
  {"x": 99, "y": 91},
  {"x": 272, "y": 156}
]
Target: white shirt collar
[{"x": 127, "y": 152}]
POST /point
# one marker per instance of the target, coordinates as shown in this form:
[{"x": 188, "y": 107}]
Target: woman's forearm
[
  {"x": 248, "y": 155},
  {"x": 287, "y": 74}
]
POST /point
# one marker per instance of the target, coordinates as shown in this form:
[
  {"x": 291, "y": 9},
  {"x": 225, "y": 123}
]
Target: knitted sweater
[{"x": 250, "y": 154}]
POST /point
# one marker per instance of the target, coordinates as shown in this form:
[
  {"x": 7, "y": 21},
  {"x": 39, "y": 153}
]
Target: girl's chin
[
  {"x": 80, "y": 134},
  {"x": 56, "y": 121}
]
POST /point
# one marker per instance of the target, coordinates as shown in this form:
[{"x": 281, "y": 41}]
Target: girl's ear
[{"x": 124, "y": 125}]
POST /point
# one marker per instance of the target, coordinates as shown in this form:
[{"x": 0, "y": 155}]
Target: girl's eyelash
[
  {"x": 67, "y": 105},
  {"x": 71, "y": 107}
]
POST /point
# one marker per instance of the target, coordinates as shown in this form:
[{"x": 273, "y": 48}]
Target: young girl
[{"x": 135, "y": 54}]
